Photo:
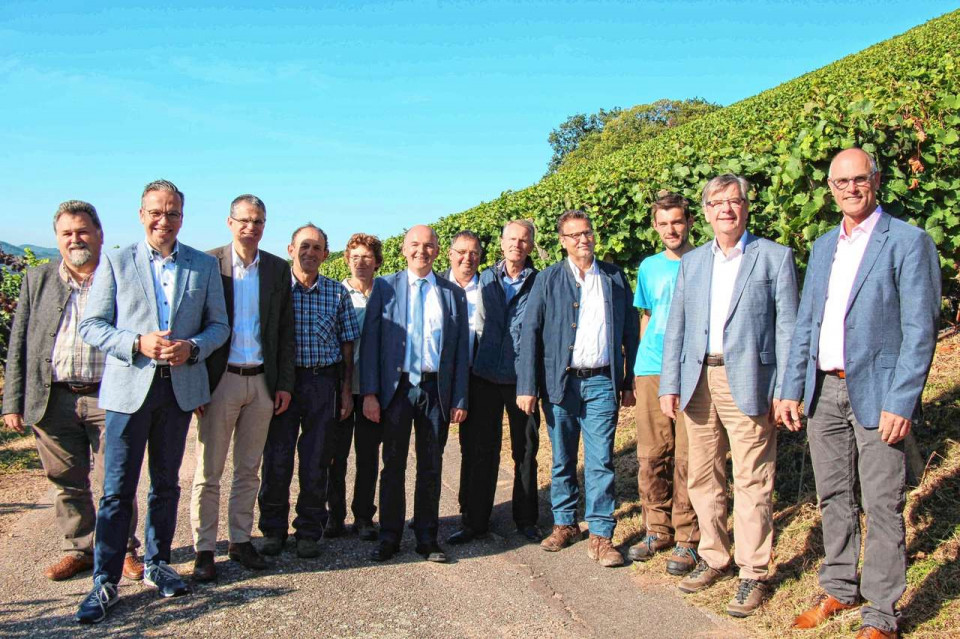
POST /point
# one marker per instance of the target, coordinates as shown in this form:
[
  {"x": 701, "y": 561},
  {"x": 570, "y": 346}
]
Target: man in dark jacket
[{"x": 504, "y": 289}]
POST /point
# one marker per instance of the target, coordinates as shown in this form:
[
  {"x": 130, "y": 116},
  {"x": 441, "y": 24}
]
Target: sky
[{"x": 360, "y": 116}]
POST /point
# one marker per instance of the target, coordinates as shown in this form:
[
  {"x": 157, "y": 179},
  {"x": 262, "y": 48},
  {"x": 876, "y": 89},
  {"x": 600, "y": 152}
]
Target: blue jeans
[
  {"x": 590, "y": 407},
  {"x": 160, "y": 426}
]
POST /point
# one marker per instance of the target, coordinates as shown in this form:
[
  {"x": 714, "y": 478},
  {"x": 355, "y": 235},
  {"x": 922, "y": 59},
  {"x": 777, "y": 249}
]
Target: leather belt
[
  {"x": 331, "y": 370},
  {"x": 80, "y": 388},
  {"x": 584, "y": 373},
  {"x": 248, "y": 371},
  {"x": 163, "y": 372},
  {"x": 835, "y": 373},
  {"x": 424, "y": 377},
  {"x": 714, "y": 360}
]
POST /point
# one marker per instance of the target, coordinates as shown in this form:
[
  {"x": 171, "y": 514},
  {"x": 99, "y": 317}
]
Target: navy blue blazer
[
  {"x": 890, "y": 330},
  {"x": 549, "y": 330},
  {"x": 383, "y": 346}
]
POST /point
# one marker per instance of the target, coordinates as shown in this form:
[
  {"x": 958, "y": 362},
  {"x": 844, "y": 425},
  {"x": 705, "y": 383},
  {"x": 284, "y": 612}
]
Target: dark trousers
[
  {"x": 414, "y": 408},
  {"x": 365, "y": 436},
  {"x": 841, "y": 450},
  {"x": 160, "y": 427},
  {"x": 481, "y": 438},
  {"x": 301, "y": 431}
]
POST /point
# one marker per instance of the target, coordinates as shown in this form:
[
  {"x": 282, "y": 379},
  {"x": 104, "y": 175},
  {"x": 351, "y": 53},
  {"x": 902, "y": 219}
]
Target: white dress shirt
[
  {"x": 164, "y": 270},
  {"x": 725, "y": 268},
  {"x": 432, "y": 323},
  {"x": 846, "y": 262},
  {"x": 245, "y": 347},
  {"x": 472, "y": 289},
  {"x": 590, "y": 342}
]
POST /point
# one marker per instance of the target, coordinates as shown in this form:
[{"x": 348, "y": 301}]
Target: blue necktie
[{"x": 416, "y": 339}]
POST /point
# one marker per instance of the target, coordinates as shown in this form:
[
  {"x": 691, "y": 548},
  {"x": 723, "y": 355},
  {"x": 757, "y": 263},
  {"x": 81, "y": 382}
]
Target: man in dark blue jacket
[
  {"x": 504, "y": 290},
  {"x": 577, "y": 349}
]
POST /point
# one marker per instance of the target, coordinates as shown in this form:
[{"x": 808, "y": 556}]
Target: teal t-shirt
[{"x": 656, "y": 278}]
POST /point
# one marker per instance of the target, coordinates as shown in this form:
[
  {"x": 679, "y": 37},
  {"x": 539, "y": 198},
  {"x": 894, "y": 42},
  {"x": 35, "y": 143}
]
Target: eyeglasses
[
  {"x": 735, "y": 202},
  {"x": 473, "y": 254},
  {"x": 173, "y": 216},
  {"x": 357, "y": 259},
  {"x": 861, "y": 181},
  {"x": 587, "y": 235},
  {"x": 247, "y": 221}
]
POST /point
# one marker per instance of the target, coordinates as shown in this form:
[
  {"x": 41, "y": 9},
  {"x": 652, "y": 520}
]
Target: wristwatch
[
  {"x": 194, "y": 353},
  {"x": 136, "y": 345}
]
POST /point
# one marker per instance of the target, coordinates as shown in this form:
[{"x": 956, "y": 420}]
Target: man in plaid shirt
[{"x": 326, "y": 327}]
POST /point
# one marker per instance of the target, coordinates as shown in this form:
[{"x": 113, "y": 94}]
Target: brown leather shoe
[
  {"x": 601, "y": 550},
  {"x": 869, "y": 632},
  {"x": 68, "y": 566},
  {"x": 204, "y": 567},
  {"x": 247, "y": 556},
  {"x": 561, "y": 537},
  {"x": 133, "y": 567},
  {"x": 824, "y": 607},
  {"x": 702, "y": 577}
]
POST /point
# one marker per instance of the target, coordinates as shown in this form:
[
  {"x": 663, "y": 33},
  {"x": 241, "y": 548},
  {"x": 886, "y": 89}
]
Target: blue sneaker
[
  {"x": 165, "y": 579},
  {"x": 94, "y": 607}
]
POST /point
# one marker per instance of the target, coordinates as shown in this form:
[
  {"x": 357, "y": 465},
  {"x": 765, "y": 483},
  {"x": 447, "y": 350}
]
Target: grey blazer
[
  {"x": 756, "y": 336},
  {"x": 121, "y": 305},
  {"x": 890, "y": 330},
  {"x": 43, "y": 300}
]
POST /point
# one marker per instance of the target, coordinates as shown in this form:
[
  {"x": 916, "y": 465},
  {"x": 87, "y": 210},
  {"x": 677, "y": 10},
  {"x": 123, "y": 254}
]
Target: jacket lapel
[
  {"x": 182, "y": 266},
  {"x": 877, "y": 239},
  {"x": 145, "y": 273},
  {"x": 226, "y": 270},
  {"x": 266, "y": 276},
  {"x": 747, "y": 262},
  {"x": 401, "y": 288},
  {"x": 821, "y": 282}
]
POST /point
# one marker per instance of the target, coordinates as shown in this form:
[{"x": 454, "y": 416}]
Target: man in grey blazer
[
  {"x": 52, "y": 382},
  {"x": 414, "y": 375},
  {"x": 862, "y": 348},
  {"x": 728, "y": 334},
  {"x": 156, "y": 310}
]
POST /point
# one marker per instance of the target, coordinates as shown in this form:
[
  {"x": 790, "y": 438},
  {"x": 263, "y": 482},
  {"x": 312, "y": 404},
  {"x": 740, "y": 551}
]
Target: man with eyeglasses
[
  {"x": 156, "y": 310},
  {"x": 724, "y": 351},
  {"x": 864, "y": 340},
  {"x": 251, "y": 380},
  {"x": 577, "y": 350}
]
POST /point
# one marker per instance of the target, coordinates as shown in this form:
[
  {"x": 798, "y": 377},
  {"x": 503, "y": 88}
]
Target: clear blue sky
[{"x": 360, "y": 116}]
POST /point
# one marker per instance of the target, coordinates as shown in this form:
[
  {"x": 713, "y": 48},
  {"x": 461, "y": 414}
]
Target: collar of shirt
[
  {"x": 238, "y": 261},
  {"x": 863, "y": 228},
  {"x": 522, "y": 275},
  {"x": 593, "y": 270},
  {"x": 412, "y": 278},
  {"x": 155, "y": 254},
  {"x": 294, "y": 282},
  {"x": 734, "y": 253},
  {"x": 471, "y": 286},
  {"x": 71, "y": 281},
  {"x": 352, "y": 290}
]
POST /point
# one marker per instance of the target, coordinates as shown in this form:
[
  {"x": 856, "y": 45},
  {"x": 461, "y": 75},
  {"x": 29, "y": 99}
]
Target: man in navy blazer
[
  {"x": 577, "y": 348},
  {"x": 728, "y": 334},
  {"x": 414, "y": 374},
  {"x": 862, "y": 348}
]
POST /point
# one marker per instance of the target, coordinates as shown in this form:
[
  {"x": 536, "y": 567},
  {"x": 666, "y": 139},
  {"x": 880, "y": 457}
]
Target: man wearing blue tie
[{"x": 414, "y": 376}]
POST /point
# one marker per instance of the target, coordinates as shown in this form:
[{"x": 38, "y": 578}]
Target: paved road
[{"x": 499, "y": 587}]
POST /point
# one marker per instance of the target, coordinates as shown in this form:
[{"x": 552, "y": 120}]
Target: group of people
[{"x": 112, "y": 353}]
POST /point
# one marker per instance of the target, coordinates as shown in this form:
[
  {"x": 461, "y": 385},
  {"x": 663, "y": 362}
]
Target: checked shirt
[{"x": 324, "y": 318}]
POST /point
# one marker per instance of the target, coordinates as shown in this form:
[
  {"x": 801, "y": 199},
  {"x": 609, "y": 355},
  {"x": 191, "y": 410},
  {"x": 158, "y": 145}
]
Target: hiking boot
[
  {"x": 702, "y": 577},
  {"x": 272, "y": 546},
  {"x": 561, "y": 537},
  {"x": 750, "y": 594},
  {"x": 648, "y": 547},
  {"x": 682, "y": 560},
  {"x": 601, "y": 550}
]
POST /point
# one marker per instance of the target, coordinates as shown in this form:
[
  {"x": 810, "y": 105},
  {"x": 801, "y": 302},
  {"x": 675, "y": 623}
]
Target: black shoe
[
  {"x": 272, "y": 546},
  {"x": 247, "y": 556},
  {"x": 94, "y": 607},
  {"x": 334, "y": 528},
  {"x": 432, "y": 552},
  {"x": 465, "y": 535},
  {"x": 385, "y": 551},
  {"x": 365, "y": 529},
  {"x": 204, "y": 568},
  {"x": 531, "y": 532}
]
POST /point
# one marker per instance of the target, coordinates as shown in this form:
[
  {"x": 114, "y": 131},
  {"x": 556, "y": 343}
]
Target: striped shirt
[
  {"x": 324, "y": 318},
  {"x": 73, "y": 359}
]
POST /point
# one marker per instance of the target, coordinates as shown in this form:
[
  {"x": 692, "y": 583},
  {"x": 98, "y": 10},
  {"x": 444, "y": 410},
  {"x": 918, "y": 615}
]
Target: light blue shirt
[
  {"x": 656, "y": 278},
  {"x": 164, "y": 271}
]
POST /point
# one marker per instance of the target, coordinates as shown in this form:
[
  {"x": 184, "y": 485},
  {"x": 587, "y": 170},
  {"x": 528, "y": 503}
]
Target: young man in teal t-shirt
[{"x": 668, "y": 515}]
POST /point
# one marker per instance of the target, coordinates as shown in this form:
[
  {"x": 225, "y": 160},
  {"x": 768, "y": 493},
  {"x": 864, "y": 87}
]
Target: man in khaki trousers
[
  {"x": 251, "y": 379},
  {"x": 724, "y": 352}
]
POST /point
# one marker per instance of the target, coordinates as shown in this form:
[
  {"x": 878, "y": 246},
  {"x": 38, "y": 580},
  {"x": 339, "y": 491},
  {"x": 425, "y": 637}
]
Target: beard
[{"x": 79, "y": 255}]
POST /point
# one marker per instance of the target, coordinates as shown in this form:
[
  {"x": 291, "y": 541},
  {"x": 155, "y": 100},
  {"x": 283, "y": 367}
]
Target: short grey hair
[
  {"x": 310, "y": 225},
  {"x": 163, "y": 185},
  {"x": 874, "y": 168},
  {"x": 572, "y": 214},
  {"x": 77, "y": 207},
  {"x": 721, "y": 182},
  {"x": 527, "y": 224},
  {"x": 252, "y": 200}
]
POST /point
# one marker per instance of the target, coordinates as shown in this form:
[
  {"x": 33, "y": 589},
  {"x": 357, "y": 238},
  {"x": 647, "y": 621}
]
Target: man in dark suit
[
  {"x": 251, "y": 379},
  {"x": 156, "y": 310},
  {"x": 577, "y": 350},
  {"x": 414, "y": 374},
  {"x": 52, "y": 382},
  {"x": 862, "y": 348}
]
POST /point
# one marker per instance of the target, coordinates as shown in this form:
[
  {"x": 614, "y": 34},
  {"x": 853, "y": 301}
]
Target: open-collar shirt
[
  {"x": 590, "y": 344},
  {"x": 725, "y": 269},
  {"x": 432, "y": 322},
  {"x": 164, "y": 272},
  {"x": 73, "y": 359},
  {"x": 245, "y": 346}
]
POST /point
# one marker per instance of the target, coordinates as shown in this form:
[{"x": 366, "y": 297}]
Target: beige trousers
[
  {"x": 715, "y": 426},
  {"x": 240, "y": 409}
]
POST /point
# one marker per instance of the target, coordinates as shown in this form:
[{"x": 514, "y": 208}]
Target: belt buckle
[{"x": 164, "y": 372}]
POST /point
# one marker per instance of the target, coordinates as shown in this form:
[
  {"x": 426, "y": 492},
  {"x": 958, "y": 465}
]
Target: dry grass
[{"x": 931, "y": 605}]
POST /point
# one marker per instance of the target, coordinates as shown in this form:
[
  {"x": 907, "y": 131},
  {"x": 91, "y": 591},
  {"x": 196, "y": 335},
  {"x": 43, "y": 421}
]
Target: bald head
[
  {"x": 420, "y": 248},
  {"x": 854, "y": 156},
  {"x": 854, "y": 181}
]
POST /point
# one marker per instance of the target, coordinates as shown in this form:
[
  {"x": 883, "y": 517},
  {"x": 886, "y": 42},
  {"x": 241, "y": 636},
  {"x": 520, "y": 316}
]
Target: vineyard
[{"x": 899, "y": 100}]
